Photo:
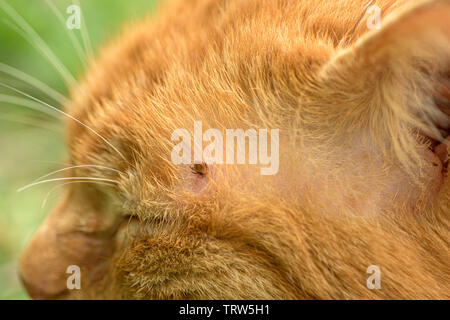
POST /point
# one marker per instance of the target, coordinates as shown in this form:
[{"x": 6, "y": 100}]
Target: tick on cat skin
[
  {"x": 231, "y": 150},
  {"x": 363, "y": 155},
  {"x": 199, "y": 169}
]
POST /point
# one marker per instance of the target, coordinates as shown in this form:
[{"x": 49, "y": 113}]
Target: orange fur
[{"x": 356, "y": 186}]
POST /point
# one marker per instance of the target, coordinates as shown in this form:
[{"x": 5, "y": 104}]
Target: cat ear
[
  {"x": 403, "y": 64},
  {"x": 419, "y": 32}
]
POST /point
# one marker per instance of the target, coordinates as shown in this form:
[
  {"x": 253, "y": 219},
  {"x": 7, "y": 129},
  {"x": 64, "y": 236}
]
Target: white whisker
[
  {"x": 29, "y": 121},
  {"x": 75, "y": 42},
  {"x": 44, "y": 202},
  {"x": 67, "y": 115},
  {"x": 37, "y": 42},
  {"x": 58, "y": 97},
  {"x": 84, "y": 32},
  {"x": 79, "y": 166},
  {"x": 52, "y": 162},
  {"x": 27, "y": 104},
  {"x": 67, "y": 178}
]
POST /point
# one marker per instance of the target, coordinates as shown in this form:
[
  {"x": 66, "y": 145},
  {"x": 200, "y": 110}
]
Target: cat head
[{"x": 354, "y": 119}]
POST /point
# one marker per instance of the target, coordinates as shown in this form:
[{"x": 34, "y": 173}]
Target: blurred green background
[{"x": 32, "y": 142}]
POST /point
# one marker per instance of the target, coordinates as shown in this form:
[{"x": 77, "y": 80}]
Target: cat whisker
[
  {"x": 27, "y": 104},
  {"x": 51, "y": 162},
  {"x": 85, "y": 33},
  {"x": 30, "y": 121},
  {"x": 67, "y": 178},
  {"x": 79, "y": 166},
  {"x": 44, "y": 202},
  {"x": 65, "y": 114},
  {"x": 76, "y": 44},
  {"x": 35, "y": 40},
  {"x": 58, "y": 97}
]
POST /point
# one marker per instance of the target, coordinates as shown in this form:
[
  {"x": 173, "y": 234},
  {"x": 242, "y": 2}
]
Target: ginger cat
[{"x": 363, "y": 117}]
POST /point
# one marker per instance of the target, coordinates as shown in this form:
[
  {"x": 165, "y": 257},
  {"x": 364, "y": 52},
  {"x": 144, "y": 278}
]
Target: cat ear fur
[{"x": 400, "y": 67}]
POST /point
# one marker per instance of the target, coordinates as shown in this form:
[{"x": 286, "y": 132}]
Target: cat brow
[
  {"x": 36, "y": 41},
  {"x": 65, "y": 114},
  {"x": 10, "y": 99},
  {"x": 30, "y": 121},
  {"x": 18, "y": 74},
  {"x": 67, "y": 178},
  {"x": 79, "y": 166}
]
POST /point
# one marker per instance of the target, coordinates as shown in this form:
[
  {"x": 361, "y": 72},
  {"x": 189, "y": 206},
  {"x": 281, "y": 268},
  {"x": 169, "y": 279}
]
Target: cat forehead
[
  {"x": 255, "y": 57},
  {"x": 120, "y": 87},
  {"x": 147, "y": 83}
]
